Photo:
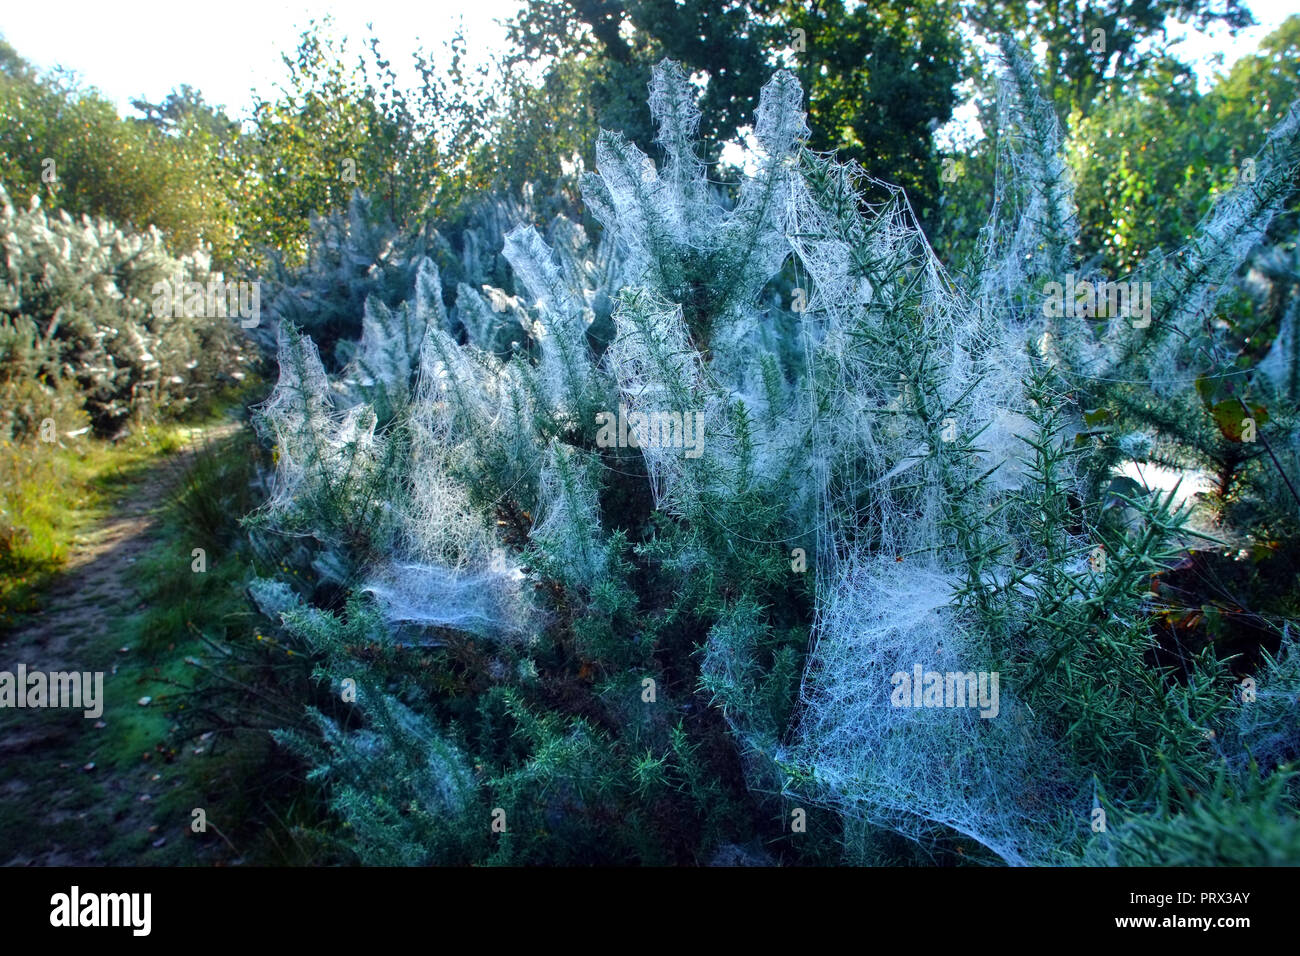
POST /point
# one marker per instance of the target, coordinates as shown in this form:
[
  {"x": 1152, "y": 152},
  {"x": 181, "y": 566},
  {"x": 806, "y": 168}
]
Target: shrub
[
  {"x": 645, "y": 642},
  {"x": 79, "y": 331}
]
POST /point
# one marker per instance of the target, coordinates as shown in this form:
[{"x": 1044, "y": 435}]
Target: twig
[{"x": 1269, "y": 448}]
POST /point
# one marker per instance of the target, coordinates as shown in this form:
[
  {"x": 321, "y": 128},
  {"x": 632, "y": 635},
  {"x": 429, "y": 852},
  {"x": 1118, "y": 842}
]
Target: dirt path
[
  {"x": 56, "y": 798},
  {"x": 98, "y": 585}
]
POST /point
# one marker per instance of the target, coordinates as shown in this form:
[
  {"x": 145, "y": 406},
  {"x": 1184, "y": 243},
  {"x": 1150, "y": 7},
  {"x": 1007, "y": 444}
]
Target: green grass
[
  {"x": 216, "y": 679},
  {"x": 74, "y": 783},
  {"x": 49, "y": 493},
  {"x": 202, "y": 740}
]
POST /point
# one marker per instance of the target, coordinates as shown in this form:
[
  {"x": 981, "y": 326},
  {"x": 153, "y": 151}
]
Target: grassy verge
[
  {"x": 67, "y": 799},
  {"x": 51, "y": 493},
  {"x": 219, "y": 683},
  {"x": 190, "y": 691}
]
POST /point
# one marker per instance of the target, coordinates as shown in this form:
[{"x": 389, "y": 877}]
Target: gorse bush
[
  {"x": 79, "y": 331},
  {"x": 653, "y": 594},
  {"x": 351, "y": 258},
  {"x": 354, "y": 260}
]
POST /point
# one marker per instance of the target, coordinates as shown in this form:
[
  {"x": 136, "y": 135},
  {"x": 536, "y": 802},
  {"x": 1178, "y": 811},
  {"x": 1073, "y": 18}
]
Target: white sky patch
[
  {"x": 742, "y": 153},
  {"x": 1158, "y": 477},
  {"x": 1214, "y": 52},
  {"x": 147, "y": 48}
]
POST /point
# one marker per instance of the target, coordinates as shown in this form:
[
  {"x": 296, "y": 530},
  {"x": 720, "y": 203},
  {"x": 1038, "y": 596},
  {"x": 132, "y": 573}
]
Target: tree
[
  {"x": 1151, "y": 164},
  {"x": 731, "y": 43},
  {"x": 1094, "y": 47},
  {"x": 334, "y": 129},
  {"x": 62, "y": 141},
  {"x": 879, "y": 77}
]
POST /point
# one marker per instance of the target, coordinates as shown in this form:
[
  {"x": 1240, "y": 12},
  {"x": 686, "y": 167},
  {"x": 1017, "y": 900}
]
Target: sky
[
  {"x": 1201, "y": 49},
  {"x": 146, "y": 48}
]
